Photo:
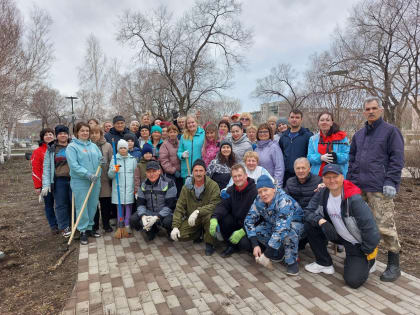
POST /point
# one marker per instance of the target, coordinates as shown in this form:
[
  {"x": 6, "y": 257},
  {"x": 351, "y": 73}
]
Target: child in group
[
  {"x": 211, "y": 144},
  {"x": 132, "y": 150},
  {"x": 140, "y": 172},
  {"x": 125, "y": 168}
]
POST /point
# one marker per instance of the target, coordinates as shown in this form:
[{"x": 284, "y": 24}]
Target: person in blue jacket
[
  {"x": 132, "y": 150},
  {"x": 190, "y": 145},
  {"x": 274, "y": 223},
  {"x": 84, "y": 158},
  {"x": 330, "y": 145}
]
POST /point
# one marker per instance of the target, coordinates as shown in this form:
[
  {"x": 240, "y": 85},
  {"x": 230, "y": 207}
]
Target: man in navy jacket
[{"x": 375, "y": 165}]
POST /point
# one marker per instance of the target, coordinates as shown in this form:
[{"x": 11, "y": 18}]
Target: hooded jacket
[
  {"x": 127, "y": 164},
  {"x": 83, "y": 158},
  {"x": 277, "y": 216},
  {"x": 156, "y": 199},
  {"x": 355, "y": 212},
  {"x": 238, "y": 203},
  {"x": 271, "y": 158},
  {"x": 168, "y": 157},
  {"x": 193, "y": 146},
  {"x": 188, "y": 202},
  {"x": 241, "y": 146},
  {"x": 294, "y": 148},
  {"x": 376, "y": 157},
  {"x": 117, "y": 136},
  {"x": 337, "y": 143},
  {"x": 37, "y": 162}
]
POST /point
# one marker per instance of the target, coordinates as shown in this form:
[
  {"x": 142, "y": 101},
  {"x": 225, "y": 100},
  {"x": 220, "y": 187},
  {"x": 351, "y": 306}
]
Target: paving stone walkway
[{"x": 132, "y": 276}]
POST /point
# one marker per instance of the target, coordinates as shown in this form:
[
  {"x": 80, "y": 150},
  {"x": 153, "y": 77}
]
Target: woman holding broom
[{"x": 84, "y": 159}]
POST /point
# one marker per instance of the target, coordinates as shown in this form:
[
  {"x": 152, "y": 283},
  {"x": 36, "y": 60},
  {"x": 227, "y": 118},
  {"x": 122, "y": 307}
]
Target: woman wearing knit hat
[
  {"x": 156, "y": 140},
  {"x": 57, "y": 174},
  {"x": 126, "y": 165},
  {"x": 219, "y": 168}
]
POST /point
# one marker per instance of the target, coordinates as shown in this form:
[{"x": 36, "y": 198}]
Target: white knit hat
[{"x": 122, "y": 144}]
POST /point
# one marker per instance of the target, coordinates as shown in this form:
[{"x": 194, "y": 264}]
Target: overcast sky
[{"x": 285, "y": 31}]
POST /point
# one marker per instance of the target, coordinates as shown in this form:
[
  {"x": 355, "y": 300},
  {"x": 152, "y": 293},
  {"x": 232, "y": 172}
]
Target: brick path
[{"x": 133, "y": 276}]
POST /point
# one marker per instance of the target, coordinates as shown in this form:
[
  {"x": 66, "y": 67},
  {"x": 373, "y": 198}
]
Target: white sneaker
[
  {"x": 373, "y": 267},
  {"x": 315, "y": 268}
]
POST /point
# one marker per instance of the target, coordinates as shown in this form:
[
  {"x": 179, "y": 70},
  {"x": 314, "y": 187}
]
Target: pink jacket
[
  {"x": 168, "y": 157},
  {"x": 209, "y": 152}
]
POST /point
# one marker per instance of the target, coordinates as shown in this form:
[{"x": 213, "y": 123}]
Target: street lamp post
[{"x": 71, "y": 98}]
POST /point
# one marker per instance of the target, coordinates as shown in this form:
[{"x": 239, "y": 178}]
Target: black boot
[
  {"x": 392, "y": 271},
  {"x": 209, "y": 249}
]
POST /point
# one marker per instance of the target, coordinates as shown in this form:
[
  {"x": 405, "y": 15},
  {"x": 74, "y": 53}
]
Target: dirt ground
[{"x": 26, "y": 285}]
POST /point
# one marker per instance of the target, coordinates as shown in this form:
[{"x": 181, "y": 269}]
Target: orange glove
[
  {"x": 373, "y": 254},
  {"x": 117, "y": 168}
]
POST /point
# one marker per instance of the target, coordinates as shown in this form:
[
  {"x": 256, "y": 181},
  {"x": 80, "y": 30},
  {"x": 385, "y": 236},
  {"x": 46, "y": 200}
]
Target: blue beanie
[
  {"x": 156, "y": 128},
  {"x": 265, "y": 181},
  {"x": 146, "y": 148}
]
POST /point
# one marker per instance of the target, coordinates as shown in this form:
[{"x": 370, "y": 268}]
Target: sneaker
[
  {"x": 93, "y": 233},
  {"x": 84, "y": 238},
  {"x": 315, "y": 268},
  {"x": 66, "y": 232},
  {"x": 293, "y": 269},
  {"x": 372, "y": 265}
]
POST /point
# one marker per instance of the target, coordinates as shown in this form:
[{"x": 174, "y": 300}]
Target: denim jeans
[
  {"x": 49, "y": 210},
  {"x": 62, "y": 196}
]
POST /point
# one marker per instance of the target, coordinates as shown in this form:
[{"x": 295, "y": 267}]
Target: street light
[{"x": 71, "y": 98}]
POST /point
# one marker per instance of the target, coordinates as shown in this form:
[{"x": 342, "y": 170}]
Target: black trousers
[
  {"x": 106, "y": 208},
  {"x": 228, "y": 225},
  {"x": 136, "y": 223},
  {"x": 356, "y": 265}
]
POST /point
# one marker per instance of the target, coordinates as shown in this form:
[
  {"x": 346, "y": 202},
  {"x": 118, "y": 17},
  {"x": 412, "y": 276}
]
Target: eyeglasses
[
  {"x": 243, "y": 118},
  {"x": 263, "y": 131}
]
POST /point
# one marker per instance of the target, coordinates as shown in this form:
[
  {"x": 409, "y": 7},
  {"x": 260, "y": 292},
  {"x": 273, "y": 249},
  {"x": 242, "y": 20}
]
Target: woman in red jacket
[{"x": 37, "y": 160}]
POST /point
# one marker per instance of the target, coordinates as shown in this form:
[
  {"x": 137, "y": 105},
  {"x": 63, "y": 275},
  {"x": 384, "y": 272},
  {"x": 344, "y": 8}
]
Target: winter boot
[{"x": 392, "y": 271}]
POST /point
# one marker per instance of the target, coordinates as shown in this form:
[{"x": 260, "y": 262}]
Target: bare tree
[
  {"x": 282, "y": 84},
  {"x": 216, "y": 109},
  {"x": 379, "y": 51},
  {"x": 92, "y": 81},
  {"x": 45, "y": 105},
  {"x": 195, "y": 54}
]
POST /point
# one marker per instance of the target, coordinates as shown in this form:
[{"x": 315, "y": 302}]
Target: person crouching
[
  {"x": 156, "y": 200},
  {"x": 274, "y": 222}
]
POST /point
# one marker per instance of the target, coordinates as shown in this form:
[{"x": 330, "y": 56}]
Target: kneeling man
[
  {"x": 155, "y": 202},
  {"x": 337, "y": 213},
  {"x": 195, "y": 207},
  {"x": 230, "y": 213},
  {"x": 274, "y": 222}
]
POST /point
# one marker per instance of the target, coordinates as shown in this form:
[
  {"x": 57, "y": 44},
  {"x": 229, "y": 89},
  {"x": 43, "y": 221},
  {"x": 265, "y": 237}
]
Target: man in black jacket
[
  {"x": 338, "y": 214},
  {"x": 294, "y": 143},
  {"x": 230, "y": 213},
  {"x": 119, "y": 130}
]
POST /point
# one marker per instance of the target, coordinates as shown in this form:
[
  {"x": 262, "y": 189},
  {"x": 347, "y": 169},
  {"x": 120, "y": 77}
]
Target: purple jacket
[
  {"x": 271, "y": 158},
  {"x": 376, "y": 157}
]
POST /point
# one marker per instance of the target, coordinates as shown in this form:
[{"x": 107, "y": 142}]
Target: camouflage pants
[
  {"x": 290, "y": 241},
  {"x": 383, "y": 211}
]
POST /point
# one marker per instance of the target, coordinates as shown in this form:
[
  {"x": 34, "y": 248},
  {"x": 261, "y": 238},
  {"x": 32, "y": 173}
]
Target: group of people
[{"x": 268, "y": 190}]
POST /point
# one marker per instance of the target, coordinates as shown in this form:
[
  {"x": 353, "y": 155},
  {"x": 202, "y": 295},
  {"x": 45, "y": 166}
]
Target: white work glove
[
  {"x": 185, "y": 154},
  {"x": 150, "y": 221},
  {"x": 327, "y": 158},
  {"x": 45, "y": 191},
  {"x": 175, "y": 234},
  {"x": 144, "y": 220},
  {"x": 264, "y": 261},
  {"x": 389, "y": 191},
  {"x": 193, "y": 217}
]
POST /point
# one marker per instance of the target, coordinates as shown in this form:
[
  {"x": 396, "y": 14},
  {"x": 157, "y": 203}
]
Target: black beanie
[
  {"x": 61, "y": 128},
  {"x": 130, "y": 136},
  {"x": 199, "y": 162},
  {"x": 117, "y": 119},
  {"x": 226, "y": 142}
]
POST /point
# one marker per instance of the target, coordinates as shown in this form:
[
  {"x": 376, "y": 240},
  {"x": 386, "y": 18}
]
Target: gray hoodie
[{"x": 241, "y": 146}]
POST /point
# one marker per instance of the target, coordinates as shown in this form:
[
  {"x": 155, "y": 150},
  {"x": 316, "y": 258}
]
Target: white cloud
[{"x": 284, "y": 32}]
